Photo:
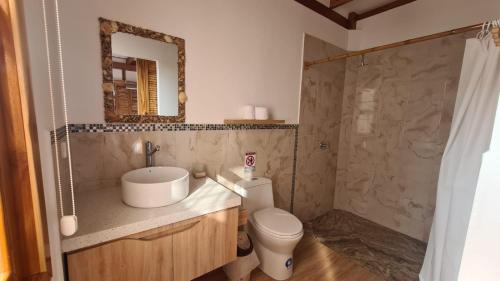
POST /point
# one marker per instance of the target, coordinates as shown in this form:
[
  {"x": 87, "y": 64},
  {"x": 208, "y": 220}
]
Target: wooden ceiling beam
[
  {"x": 325, "y": 11},
  {"x": 383, "y": 8},
  {"x": 337, "y": 3},
  {"x": 352, "y": 19},
  {"x": 348, "y": 23}
]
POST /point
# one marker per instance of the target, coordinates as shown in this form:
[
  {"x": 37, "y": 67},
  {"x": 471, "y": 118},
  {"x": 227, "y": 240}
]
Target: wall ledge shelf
[{"x": 252, "y": 122}]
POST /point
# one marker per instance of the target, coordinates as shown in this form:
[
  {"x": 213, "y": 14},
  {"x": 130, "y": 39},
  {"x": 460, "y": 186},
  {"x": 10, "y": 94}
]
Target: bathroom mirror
[{"x": 143, "y": 74}]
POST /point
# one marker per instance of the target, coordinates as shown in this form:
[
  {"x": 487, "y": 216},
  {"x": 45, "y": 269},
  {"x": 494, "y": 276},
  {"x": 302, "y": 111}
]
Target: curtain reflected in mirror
[{"x": 147, "y": 87}]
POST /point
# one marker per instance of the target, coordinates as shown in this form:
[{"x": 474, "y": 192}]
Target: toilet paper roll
[
  {"x": 261, "y": 113},
  {"x": 248, "y": 112}
]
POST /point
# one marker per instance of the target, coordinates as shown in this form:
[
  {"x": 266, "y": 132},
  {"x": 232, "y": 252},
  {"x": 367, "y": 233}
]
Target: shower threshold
[{"x": 383, "y": 251}]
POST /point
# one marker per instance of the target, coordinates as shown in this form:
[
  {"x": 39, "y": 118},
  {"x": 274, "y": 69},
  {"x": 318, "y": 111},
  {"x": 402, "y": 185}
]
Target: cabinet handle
[{"x": 167, "y": 232}]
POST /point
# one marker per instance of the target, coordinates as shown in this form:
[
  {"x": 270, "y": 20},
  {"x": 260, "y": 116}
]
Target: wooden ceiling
[{"x": 329, "y": 9}]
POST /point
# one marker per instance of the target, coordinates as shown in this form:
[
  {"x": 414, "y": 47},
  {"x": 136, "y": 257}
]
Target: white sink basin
[{"x": 155, "y": 186}]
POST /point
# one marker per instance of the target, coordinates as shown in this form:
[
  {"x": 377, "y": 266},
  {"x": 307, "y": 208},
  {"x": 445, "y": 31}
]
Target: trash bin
[{"x": 246, "y": 261}]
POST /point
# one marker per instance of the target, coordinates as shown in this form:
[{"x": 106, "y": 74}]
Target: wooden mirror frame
[{"x": 107, "y": 28}]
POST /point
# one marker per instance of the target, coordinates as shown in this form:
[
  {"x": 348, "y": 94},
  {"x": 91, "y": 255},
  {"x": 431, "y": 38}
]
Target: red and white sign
[{"x": 250, "y": 160}]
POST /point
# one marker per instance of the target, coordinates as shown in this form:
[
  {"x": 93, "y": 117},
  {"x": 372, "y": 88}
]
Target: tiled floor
[
  {"x": 315, "y": 262},
  {"x": 381, "y": 250}
]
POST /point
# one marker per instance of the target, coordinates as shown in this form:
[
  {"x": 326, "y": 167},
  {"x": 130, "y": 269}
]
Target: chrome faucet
[{"x": 150, "y": 150}]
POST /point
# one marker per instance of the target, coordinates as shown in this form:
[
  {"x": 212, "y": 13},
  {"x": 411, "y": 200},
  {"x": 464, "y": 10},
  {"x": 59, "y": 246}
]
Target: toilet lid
[{"x": 277, "y": 221}]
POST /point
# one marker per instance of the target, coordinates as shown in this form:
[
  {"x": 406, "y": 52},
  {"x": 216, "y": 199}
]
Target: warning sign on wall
[{"x": 250, "y": 161}]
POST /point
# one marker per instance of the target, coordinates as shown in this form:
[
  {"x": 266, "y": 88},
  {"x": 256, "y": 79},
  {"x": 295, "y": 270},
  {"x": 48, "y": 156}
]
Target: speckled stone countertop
[{"x": 102, "y": 216}]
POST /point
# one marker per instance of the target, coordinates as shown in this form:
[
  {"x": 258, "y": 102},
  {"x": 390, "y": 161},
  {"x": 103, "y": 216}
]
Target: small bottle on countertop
[{"x": 199, "y": 171}]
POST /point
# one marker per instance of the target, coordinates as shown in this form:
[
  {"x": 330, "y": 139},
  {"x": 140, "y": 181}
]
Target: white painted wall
[
  {"x": 420, "y": 18},
  {"x": 165, "y": 56},
  {"x": 237, "y": 52}
]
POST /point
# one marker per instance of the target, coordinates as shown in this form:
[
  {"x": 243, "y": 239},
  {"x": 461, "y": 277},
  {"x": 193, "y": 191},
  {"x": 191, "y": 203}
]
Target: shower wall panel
[
  {"x": 320, "y": 112},
  {"x": 396, "y": 118}
]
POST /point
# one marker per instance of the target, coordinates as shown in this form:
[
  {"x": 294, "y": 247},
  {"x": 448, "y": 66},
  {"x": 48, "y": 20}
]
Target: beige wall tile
[
  {"x": 100, "y": 159},
  {"x": 390, "y": 175},
  {"x": 274, "y": 154},
  {"x": 320, "y": 121}
]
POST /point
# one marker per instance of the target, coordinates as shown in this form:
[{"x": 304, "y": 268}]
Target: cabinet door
[
  {"x": 144, "y": 256},
  {"x": 209, "y": 243}
]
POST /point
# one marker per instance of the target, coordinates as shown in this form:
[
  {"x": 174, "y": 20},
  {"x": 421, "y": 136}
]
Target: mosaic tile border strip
[
  {"x": 60, "y": 133},
  {"x": 143, "y": 127},
  {"x": 159, "y": 127}
]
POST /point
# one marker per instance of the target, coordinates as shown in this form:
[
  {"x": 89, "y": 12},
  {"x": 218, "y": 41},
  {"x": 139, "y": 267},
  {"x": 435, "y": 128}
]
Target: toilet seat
[{"x": 278, "y": 223}]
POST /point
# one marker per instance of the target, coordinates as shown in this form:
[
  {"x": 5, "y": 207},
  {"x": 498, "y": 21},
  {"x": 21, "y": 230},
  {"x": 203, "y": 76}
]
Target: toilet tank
[{"x": 256, "y": 193}]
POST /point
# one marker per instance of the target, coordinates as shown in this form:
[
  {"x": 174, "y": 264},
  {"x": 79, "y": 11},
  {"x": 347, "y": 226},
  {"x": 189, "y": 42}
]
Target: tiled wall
[
  {"x": 320, "y": 115},
  {"x": 101, "y": 156},
  {"x": 396, "y": 119}
]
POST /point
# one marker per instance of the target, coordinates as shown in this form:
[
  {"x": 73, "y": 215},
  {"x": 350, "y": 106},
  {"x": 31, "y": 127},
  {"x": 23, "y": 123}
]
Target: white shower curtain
[{"x": 470, "y": 136}]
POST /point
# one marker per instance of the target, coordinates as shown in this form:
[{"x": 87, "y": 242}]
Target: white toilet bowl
[{"x": 275, "y": 233}]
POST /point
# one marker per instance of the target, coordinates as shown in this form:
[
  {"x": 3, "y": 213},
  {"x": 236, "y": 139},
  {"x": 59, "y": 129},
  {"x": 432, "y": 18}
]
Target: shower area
[{"x": 372, "y": 132}]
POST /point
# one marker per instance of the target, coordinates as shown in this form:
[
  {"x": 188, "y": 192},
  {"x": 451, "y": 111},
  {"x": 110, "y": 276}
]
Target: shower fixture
[{"x": 363, "y": 63}]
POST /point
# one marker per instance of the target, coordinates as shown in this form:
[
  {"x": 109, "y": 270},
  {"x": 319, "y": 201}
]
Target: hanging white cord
[
  {"x": 51, "y": 92},
  {"x": 68, "y": 224},
  {"x": 63, "y": 89}
]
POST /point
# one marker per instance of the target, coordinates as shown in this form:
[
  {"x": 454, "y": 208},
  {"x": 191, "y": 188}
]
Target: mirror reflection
[{"x": 145, "y": 75}]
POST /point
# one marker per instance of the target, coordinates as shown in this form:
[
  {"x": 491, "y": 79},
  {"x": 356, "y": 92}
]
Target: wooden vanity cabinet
[{"x": 180, "y": 251}]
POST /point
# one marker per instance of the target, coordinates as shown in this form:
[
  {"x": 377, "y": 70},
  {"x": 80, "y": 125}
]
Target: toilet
[{"x": 274, "y": 232}]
